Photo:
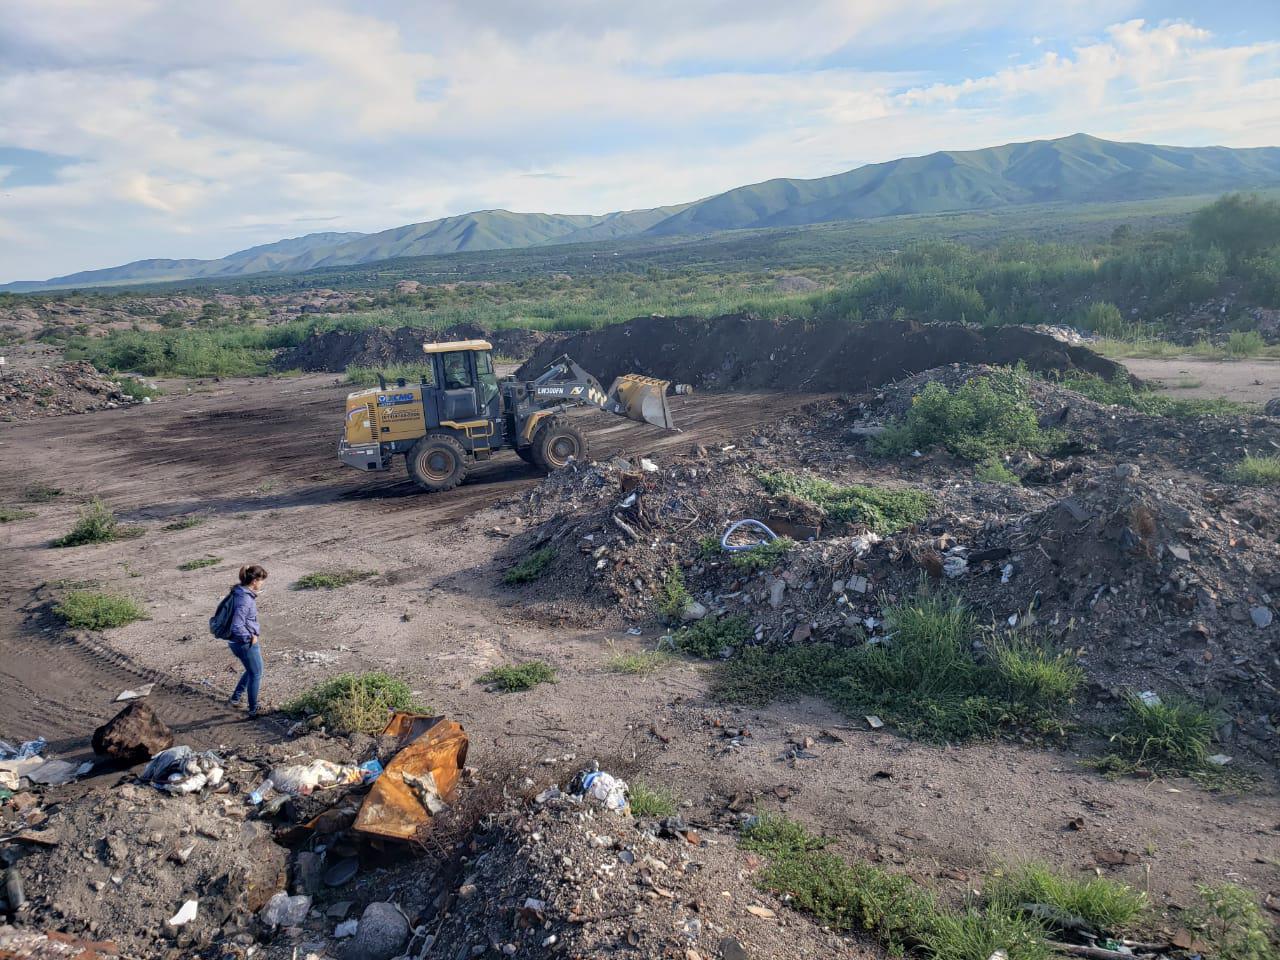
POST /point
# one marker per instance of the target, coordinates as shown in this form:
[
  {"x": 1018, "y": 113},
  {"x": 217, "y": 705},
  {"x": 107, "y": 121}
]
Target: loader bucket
[{"x": 640, "y": 398}]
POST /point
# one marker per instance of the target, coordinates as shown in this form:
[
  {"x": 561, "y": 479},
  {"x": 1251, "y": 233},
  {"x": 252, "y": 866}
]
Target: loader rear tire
[
  {"x": 556, "y": 443},
  {"x": 437, "y": 463}
]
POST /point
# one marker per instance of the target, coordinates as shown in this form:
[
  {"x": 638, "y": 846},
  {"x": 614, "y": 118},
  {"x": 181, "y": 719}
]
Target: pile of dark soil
[
  {"x": 52, "y": 391},
  {"x": 1131, "y": 543},
  {"x": 744, "y": 352},
  {"x": 336, "y": 350}
]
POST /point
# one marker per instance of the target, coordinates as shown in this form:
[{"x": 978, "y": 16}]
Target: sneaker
[{"x": 233, "y": 702}]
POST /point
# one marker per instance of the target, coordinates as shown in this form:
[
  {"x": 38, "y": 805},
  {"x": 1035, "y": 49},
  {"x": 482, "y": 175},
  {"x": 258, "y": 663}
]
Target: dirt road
[
  {"x": 1245, "y": 381},
  {"x": 255, "y": 460}
]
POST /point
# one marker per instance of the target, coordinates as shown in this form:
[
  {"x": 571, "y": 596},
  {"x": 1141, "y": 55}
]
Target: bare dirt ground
[
  {"x": 1245, "y": 381},
  {"x": 255, "y": 458}
]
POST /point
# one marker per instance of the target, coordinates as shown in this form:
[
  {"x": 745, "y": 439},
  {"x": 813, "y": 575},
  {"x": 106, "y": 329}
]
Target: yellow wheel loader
[{"x": 460, "y": 412}]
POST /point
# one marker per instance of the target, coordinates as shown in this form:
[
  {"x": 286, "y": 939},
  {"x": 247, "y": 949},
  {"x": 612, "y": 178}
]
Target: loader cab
[{"x": 466, "y": 383}]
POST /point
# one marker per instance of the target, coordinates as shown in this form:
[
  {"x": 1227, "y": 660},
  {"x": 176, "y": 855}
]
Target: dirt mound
[
  {"x": 53, "y": 391},
  {"x": 336, "y": 350},
  {"x": 743, "y": 352}
]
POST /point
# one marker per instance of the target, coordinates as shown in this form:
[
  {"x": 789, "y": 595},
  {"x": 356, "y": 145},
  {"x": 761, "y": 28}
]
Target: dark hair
[{"x": 251, "y": 573}]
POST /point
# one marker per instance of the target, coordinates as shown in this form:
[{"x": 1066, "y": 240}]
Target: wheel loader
[{"x": 460, "y": 412}]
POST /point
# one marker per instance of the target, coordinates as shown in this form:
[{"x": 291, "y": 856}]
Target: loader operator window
[
  {"x": 488, "y": 379},
  {"x": 455, "y": 372}
]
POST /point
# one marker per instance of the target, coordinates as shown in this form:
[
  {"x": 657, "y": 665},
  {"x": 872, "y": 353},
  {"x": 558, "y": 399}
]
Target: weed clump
[
  {"x": 711, "y": 636},
  {"x": 673, "y": 596},
  {"x": 1260, "y": 471},
  {"x": 983, "y": 418},
  {"x": 92, "y": 610},
  {"x": 646, "y": 661},
  {"x": 1230, "y": 919},
  {"x": 41, "y": 493},
  {"x": 1121, "y": 393},
  {"x": 993, "y": 470},
  {"x": 332, "y": 579},
  {"x": 355, "y": 702},
  {"x": 762, "y": 556},
  {"x": 1104, "y": 904},
  {"x": 884, "y": 511},
  {"x": 520, "y": 676},
  {"x": 925, "y": 676},
  {"x": 655, "y": 802},
  {"x": 10, "y": 514},
  {"x": 531, "y": 567},
  {"x": 186, "y": 523},
  {"x": 97, "y": 524},
  {"x": 1169, "y": 736},
  {"x": 199, "y": 564}
]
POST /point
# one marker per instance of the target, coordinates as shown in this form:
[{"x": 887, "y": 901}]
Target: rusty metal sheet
[{"x": 424, "y": 772}]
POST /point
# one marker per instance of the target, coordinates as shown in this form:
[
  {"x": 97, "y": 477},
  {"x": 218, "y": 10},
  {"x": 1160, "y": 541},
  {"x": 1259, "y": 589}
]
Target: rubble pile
[
  {"x": 1129, "y": 542},
  {"x": 53, "y": 391}
]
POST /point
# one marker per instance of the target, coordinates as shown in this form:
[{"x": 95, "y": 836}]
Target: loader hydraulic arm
[{"x": 635, "y": 397}]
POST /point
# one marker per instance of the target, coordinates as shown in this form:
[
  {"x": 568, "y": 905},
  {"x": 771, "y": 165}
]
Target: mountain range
[{"x": 1078, "y": 169}]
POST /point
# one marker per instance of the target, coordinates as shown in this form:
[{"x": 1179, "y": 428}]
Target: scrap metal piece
[{"x": 434, "y": 752}]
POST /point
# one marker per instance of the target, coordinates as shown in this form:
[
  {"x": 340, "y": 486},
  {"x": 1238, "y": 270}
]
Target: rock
[
  {"x": 857, "y": 584},
  {"x": 776, "y": 590},
  {"x": 382, "y": 933},
  {"x": 693, "y": 610},
  {"x": 132, "y": 735},
  {"x": 1261, "y": 617},
  {"x": 308, "y": 870},
  {"x": 1180, "y": 553},
  {"x": 731, "y": 948},
  {"x": 1272, "y": 409},
  {"x": 1127, "y": 471}
]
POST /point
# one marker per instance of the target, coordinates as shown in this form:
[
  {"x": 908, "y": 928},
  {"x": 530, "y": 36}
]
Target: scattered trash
[
  {"x": 186, "y": 913},
  {"x": 603, "y": 787},
  {"x": 283, "y": 910},
  {"x": 1006, "y": 574},
  {"x": 874, "y": 722},
  {"x": 738, "y": 545},
  {"x": 346, "y": 929},
  {"x": 180, "y": 770},
  {"x": 303, "y": 779},
  {"x": 133, "y": 735},
  {"x": 14, "y": 890},
  {"x": 142, "y": 691},
  {"x": 29, "y": 749},
  {"x": 53, "y": 773},
  {"x": 1219, "y": 759},
  {"x": 342, "y": 872},
  {"x": 1149, "y": 698},
  {"x": 648, "y": 466},
  {"x": 955, "y": 566},
  {"x": 431, "y": 747}
]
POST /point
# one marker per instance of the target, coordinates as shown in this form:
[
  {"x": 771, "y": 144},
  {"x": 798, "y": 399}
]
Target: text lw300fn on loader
[{"x": 461, "y": 412}]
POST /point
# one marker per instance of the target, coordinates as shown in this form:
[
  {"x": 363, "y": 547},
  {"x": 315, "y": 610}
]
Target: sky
[{"x": 132, "y": 129}]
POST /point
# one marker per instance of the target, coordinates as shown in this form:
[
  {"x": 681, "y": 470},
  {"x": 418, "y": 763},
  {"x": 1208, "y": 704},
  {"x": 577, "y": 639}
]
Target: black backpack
[{"x": 220, "y": 622}]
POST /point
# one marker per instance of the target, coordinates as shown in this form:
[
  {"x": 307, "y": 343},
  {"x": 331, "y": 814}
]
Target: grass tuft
[
  {"x": 654, "y": 802},
  {"x": 92, "y": 610},
  {"x": 41, "y": 493},
  {"x": 199, "y": 563},
  {"x": 1171, "y": 736},
  {"x": 1106, "y": 905},
  {"x": 332, "y": 579},
  {"x": 983, "y": 418},
  {"x": 11, "y": 514},
  {"x": 637, "y": 664},
  {"x": 711, "y": 636},
  {"x": 1121, "y": 393},
  {"x": 884, "y": 511},
  {"x": 763, "y": 556},
  {"x": 520, "y": 676},
  {"x": 993, "y": 470},
  {"x": 97, "y": 524},
  {"x": 187, "y": 522},
  {"x": 355, "y": 703},
  {"x": 1259, "y": 471},
  {"x": 531, "y": 567}
]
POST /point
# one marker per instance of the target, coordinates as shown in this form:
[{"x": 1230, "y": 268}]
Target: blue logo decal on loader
[{"x": 393, "y": 399}]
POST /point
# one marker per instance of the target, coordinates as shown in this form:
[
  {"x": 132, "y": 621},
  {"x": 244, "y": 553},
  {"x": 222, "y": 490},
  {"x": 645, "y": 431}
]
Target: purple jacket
[{"x": 244, "y": 615}]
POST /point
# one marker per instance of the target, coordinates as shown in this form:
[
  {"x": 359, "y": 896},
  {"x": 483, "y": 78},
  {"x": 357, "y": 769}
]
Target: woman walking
[{"x": 244, "y": 634}]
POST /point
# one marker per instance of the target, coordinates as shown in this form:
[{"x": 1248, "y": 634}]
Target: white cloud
[{"x": 197, "y": 130}]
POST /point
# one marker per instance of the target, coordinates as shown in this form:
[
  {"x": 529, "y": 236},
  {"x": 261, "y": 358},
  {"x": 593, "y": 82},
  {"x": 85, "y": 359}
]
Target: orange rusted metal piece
[{"x": 419, "y": 779}]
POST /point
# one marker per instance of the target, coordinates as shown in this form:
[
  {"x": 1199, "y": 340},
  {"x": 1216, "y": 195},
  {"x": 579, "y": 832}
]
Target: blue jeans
[{"x": 250, "y": 654}]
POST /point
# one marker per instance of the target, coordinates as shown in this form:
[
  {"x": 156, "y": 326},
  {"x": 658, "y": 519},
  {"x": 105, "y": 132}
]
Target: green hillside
[{"x": 1074, "y": 170}]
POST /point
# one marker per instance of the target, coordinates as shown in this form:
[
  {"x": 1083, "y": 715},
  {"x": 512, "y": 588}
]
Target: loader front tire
[
  {"x": 437, "y": 463},
  {"x": 556, "y": 443},
  {"x": 525, "y": 454}
]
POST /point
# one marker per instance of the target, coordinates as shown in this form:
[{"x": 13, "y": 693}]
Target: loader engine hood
[{"x": 362, "y": 417}]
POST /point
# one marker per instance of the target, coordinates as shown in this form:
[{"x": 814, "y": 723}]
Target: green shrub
[
  {"x": 1120, "y": 392},
  {"x": 654, "y": 802},
  {"x": 884, "y": 511},
  {"x": 134, "y": 388},
  {"x": 1261, "y": 471},
  {"x": 673, "y": 596},
  {"x": 711, "y": 635},
  {"x": 11, "y": 514},
  {"x": 332, "y": 579},
  {"x": 1107, "y": 905},
  {"x": 983, "y": 418},
  {"x": 97, "y": 524},
  {"x": 764, "y": 556},
  {"x": 531, "y": 567},
  {"x": 199, "y": 563},
  {"x": 1171, "y": 735},
  {"x": 520, "y": 676},
  {"x": 993, "y": 470},
  {"x": 355, "y": 703},
  {"x": 1104, "y": 319},
  {"x": 91, "y": 610},
  {"x": 1231, "y": 921}
]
